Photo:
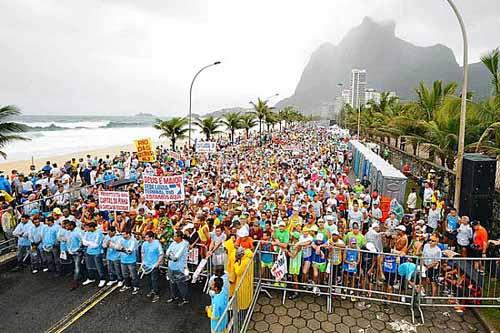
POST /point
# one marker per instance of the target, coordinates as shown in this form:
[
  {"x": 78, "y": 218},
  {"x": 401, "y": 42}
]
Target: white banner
[
  {"x": 164, "y": 188},
  {"x": 279, "y": 269},
  {"x": 206, "y": 147},
  {"x": 114, "y": 200}
]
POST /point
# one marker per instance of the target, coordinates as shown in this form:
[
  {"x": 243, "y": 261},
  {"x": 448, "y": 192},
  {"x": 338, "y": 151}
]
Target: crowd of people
[{"x": 263, "y": 194}]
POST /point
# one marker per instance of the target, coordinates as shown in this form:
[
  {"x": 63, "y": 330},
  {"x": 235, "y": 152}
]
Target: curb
[{"x": 483, "y": 321}]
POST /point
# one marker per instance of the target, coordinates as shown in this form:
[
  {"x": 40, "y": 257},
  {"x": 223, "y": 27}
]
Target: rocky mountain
[{"x": 391, "y": 63}]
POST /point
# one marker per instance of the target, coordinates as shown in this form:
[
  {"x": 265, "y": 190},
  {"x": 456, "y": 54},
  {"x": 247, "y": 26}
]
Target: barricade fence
[
  {"x": 238, "y": 312},
  {"x": 362, "y": 275}
]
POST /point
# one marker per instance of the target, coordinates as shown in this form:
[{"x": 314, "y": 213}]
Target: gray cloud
[{"x": 117, "y": 57}]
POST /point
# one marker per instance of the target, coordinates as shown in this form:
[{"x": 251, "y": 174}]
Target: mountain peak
[{"x": 369, "y": 25}]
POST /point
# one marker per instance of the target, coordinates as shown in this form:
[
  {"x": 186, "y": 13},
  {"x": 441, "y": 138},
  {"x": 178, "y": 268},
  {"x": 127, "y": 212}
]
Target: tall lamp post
[
  {"x": 190, "y": 94},
  {"x": 339, "y": 116},
  {"x": 463, "y": 108}
]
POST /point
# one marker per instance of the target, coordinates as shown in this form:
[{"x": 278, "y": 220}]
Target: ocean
[{"x": 61, "y": 135}]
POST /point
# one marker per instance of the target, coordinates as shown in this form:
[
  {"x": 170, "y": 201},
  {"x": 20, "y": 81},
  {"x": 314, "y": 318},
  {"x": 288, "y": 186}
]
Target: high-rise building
[
  {"x": 346, "y": 96},
  {"x": 357, "y": 85},
  {"x": 372, "y": 95}
]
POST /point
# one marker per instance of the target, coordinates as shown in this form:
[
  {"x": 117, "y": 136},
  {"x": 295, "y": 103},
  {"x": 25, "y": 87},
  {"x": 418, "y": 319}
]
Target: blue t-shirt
[
  {"x": 452, "y": 222},
  {"x": 389, "y": 265},
  {"x": 151, "y": 252},
  {"x": 407, "y": 269},
  {"x": 129, "y": 253}
]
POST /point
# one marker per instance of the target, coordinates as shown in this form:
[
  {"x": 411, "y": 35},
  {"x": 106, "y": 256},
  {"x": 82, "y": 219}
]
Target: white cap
[
  {"x": 401, "y": 227},
  {"x": 282, "y": 223},
  {"x": 375, "y": 225}
]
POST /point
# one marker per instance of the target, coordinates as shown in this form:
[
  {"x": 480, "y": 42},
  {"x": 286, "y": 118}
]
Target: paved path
[
  {"x": 308, "y": 314},
  {"x": 33, "y": 303}
]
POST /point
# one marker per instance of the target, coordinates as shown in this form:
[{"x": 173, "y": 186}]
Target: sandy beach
[{"x": 24, "y": 166}]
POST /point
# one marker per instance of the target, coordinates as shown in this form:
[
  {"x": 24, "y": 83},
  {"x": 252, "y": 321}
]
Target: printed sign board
[
  {"x": 114, "y": 200},
  {"x": 206, "y": 147},
  {"x": 164, "y": 188},
  {"x": 144, "y": 149}
]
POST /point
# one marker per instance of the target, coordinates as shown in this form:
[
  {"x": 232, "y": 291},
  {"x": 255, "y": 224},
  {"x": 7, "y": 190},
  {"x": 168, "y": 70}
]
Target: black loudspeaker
[
  {"x": 333, "y": 122},
  {"x": 478, "y": 174},
  {"x": 478, "y": 187},
  {"x": 477, "y": 207}
]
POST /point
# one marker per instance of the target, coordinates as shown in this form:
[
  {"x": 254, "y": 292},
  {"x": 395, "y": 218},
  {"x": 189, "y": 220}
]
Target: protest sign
[
  {"x": 293, "y": 148},
  {"x": 164, "y": 188},
  {"x": 206, "y": 147},
  {"x": 114, "y": 200},
  {"x": 144, "y": 149},
  {"x": 279, "y": 269}
]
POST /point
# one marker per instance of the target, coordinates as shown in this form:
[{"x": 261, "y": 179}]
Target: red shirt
[{"x": 480, "y": 237}]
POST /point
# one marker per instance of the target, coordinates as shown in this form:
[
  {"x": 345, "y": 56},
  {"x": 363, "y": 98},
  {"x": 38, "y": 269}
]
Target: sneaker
[
  {"x": 124, "y": 288},
  {"x": 396, "y": 286},
  {"x": 45, "y": 270},
  {"x": 135, "y": 291},
  {"x": 156, "y": 298},
  {"x": 88, "y": 281},
  {"x": 150, "y": 294},
  {"x": 343, "y": 297},
  {"x": 422, "y": 293},
  {"x": 171, "y": 300},
  {"x": 182, "y": 303},
  {"x": 120, "y": 283},
  {"x": 34, "y": 271},
  {"x": 403, "y": 299},
  {"x": 293, "y": 296},
  {"x": 353, "y": 299},
  {"x": 110, "y": 283},
  {"x": 102, "y": 283}
]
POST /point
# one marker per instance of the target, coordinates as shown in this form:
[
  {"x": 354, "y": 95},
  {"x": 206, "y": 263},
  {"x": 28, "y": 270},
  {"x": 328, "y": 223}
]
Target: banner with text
[
  {"x": 279, "y": 267},
  {"x": 114, "y": 200},
  {"x": 206, "y": 147},
  {"x": 164, "y": 188},
  {"x": 144, "y": 149}
]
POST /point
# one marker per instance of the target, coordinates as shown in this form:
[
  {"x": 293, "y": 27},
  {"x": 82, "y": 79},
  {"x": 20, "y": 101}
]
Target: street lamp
[
  {"x": 463, "y": 108},
  {"x": 190, "y": 94}
]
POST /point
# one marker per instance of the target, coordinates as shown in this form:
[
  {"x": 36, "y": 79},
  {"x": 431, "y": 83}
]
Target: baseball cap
[
  {"x": 401, "y": 227},
  {"x": 282, "y": 224},
  {"x": 371, "y": 247},
  {"x": 375, "y": 225},
  {"x": 57, "y": 211},
  {"x": 353, "y": 240}
]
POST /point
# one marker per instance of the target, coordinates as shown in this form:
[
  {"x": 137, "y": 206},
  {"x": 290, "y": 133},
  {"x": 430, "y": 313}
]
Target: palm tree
[
  {"x": 174, "y": 129},
  {"x": 286, "y": 115},
  {"x": 8, "y": 129},
  {"x": 429, "y": 100},
  {"x": 491, "y": 60},
  {"x": 232, "y": 120},
  {"x": 209, "y": 126},
  {"x": 248, "y": 122},
  {"x": 271, "y": 119},
  {"x": 261, "y": 109}
]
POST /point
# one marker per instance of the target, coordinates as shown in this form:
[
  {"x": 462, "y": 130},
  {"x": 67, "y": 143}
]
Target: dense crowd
[{"x": 293, "y": 192}]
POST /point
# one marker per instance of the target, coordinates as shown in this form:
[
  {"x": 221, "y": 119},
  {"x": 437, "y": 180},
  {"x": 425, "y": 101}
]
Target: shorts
[
  {"x": 475, "y": 252},
  {"x": 433, "y": 274},
  {"x": 461, "y": 247},
  {"x": 390, "y": 278},
  {"x": 265, "y": 264},
  {"x": 451, "y": 235},
  {"x": 309, "y": 259},
  {"x": 321, "y": 266},
  {"x": 294, "y": 268}
]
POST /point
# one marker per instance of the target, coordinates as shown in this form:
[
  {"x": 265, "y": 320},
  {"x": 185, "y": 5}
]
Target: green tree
[
  {"x": 9, "y": 130},
  {"x": 174, "y": 129},
  {"x": 429, "y": 100},
  {"x": 209, "y": 126},
  {"x": 261, "y": 109},
  {"x": 271, "y": 119},
  {"x": 490, "y": 61},
  {"x": 232, "y": 120},
  {"x": 248, "y": 122}
]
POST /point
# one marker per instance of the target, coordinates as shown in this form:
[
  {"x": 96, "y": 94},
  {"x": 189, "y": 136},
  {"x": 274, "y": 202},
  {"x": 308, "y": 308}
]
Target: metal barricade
[
  {"x": 237, "y": 315},
  {"x": 461, "y": 282},
  {"x": 8, "y": 245}
]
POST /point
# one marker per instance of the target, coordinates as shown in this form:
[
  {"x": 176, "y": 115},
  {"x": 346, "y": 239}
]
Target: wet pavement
[{"x": 34, "y": 303}]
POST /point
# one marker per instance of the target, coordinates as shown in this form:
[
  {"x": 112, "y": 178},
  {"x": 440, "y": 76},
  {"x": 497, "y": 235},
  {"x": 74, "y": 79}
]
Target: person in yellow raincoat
[
  {"x": 245, "y": 276},
  {"x": 231, "y": 258}
]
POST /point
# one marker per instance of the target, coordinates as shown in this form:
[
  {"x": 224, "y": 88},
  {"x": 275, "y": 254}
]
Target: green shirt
[
  {"x": 282, "y": 236},
  {"x": 360, "y": 239}
]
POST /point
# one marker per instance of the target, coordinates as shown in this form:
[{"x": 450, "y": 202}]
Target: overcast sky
[{"x": 123, "y": 57}]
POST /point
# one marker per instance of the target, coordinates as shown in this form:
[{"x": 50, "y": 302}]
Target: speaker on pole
[{"x": 478, "y": 187}]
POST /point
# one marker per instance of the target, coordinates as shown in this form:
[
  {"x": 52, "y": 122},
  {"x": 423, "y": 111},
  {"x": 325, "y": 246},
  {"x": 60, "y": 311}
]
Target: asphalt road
[{"x": 33, "y": 303}]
